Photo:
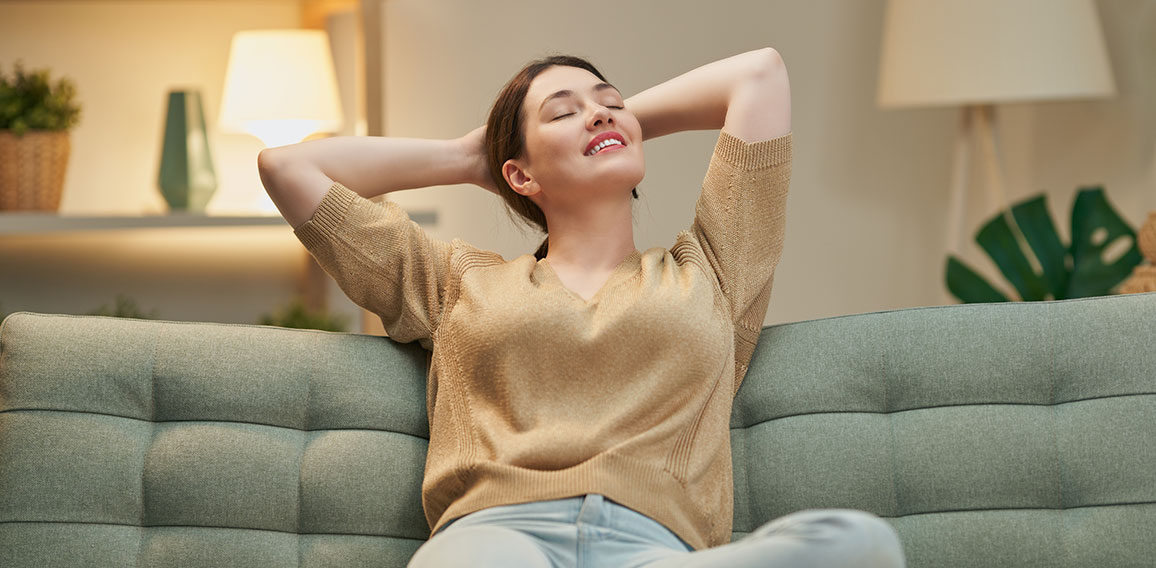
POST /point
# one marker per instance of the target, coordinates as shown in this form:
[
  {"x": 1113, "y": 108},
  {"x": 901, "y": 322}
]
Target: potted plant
[
  {"x": 35, "y": 116},
  {"x": 1076, "y": 270},
  {"x": 297, "y": 315}
]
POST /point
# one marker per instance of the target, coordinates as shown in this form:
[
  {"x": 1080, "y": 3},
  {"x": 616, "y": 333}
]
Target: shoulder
[{"x": 465, "y": 256}]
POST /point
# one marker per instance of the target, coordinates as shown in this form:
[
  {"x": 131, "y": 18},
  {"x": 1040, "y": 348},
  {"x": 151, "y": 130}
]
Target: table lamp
[
  {"x": 977, "y": 53},
  {"x": 281, "y": 87}
]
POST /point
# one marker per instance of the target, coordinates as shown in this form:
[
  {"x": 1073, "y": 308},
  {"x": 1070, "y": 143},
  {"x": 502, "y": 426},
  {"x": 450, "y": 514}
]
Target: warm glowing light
[
  {"x": 282, "y": 132},
  {"x": 280, "y": 86}
]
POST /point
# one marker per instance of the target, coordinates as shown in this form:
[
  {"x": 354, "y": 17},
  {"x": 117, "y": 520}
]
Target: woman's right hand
[{"x": 474, "y": 146}]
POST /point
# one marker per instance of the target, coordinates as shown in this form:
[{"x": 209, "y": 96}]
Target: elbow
[
  {"x": 765, "y": 63},
  {"x": 760, "y": 104},
  {"x": 759, "y": 71},
  {"x": 266, "y": 162},
  {"x": 268, "y": 168}
]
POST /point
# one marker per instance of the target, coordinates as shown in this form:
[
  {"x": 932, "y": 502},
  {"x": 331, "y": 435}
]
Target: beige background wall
[
  {"x": 869, "y": 194},
  {"x": 124, "y": 56}
]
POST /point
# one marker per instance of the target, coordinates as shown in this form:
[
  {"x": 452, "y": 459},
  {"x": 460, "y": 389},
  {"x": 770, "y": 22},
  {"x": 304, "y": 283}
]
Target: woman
[{"x": 579, "y": 398}]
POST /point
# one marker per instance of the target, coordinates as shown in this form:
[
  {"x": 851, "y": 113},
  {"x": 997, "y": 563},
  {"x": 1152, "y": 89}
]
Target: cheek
[
  {"x": 547, "y": 155},
  {"x": 556, "y": 146},
  {"x": 634, "y": 126},
  {"x": 538, "y": 149}
]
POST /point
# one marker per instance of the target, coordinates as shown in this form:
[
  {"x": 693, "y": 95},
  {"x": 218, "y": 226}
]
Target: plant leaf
[
  {"x": 999, "y": 243},
  {"x": 971, "y": 288},
  {"x": 1035, "y": 222},
  {"x": 1092, "y": 214}
]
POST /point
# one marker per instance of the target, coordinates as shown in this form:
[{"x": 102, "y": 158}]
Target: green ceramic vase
[{"x": 187, "y": 178}]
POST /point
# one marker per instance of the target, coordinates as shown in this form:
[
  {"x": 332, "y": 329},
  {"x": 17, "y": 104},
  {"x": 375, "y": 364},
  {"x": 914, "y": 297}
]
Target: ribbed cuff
[
  {"x": 328, "y": 218},
  {"x": 754, "y": 156}
]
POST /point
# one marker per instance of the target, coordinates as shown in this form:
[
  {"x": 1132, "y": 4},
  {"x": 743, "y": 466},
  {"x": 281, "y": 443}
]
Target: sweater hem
[
  {"x": 328, "y": 218},
  {"x": 752, "y": 156},
  {"x": 642, "y": 487}
]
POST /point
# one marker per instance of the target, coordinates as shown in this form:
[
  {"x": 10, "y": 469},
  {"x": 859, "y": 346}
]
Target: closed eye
[{"x": 570, "y": 113}]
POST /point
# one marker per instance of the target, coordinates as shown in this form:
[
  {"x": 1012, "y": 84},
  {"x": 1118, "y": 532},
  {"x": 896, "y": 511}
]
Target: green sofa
[{"x": 1019, "y": 434}]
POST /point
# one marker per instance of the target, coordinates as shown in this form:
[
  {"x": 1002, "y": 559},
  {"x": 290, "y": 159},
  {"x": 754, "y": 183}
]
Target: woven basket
[
  {"x": 1146, "y": 238},
  {"x": 32, "y": 169}
]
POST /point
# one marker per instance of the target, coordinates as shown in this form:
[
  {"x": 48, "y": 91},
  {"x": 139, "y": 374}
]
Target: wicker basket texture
[{"x": 32, "y": 169}]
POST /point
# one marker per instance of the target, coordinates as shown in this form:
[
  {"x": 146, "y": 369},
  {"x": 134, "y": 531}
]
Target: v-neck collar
[{"x": 626, "y": 268}]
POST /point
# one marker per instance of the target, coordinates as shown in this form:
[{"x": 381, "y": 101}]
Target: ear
[{"x": 519, "y": 179}]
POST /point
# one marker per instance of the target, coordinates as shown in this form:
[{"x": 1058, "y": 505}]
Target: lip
[{"x": 603, "y": 136}]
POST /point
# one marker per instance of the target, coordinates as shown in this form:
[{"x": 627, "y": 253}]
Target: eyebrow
[{"x": 569, "y": 93}]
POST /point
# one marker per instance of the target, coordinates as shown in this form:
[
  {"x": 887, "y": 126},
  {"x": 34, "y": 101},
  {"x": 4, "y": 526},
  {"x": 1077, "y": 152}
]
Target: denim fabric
[{"x": 594, "y": 532}]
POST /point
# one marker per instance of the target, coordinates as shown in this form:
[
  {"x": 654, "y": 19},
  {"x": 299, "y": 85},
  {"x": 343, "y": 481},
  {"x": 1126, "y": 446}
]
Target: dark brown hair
[{"x": 506, "y": 139}]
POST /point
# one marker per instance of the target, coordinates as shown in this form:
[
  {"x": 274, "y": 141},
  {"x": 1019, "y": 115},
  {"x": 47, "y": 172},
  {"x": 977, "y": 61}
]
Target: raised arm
[
  {"x": 298, "y": 176},
  {"x": 747, "y": 94}
]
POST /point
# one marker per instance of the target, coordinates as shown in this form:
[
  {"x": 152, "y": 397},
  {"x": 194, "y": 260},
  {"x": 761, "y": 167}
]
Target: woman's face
[{"x": 580, "y": 141}]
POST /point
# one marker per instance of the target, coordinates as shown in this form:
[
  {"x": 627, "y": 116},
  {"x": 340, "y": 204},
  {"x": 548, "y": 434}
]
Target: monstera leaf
[{"x": 1075, "y": 271}]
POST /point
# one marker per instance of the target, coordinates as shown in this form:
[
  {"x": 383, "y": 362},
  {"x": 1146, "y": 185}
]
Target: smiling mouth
[{"x": 607, "y": 143}]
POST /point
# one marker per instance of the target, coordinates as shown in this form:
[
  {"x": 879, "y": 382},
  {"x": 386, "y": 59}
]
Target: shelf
[{"x": 32, "y": 223}]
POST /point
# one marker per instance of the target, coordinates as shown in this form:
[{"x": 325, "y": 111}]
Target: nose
[{"x": 600, "y": 115}]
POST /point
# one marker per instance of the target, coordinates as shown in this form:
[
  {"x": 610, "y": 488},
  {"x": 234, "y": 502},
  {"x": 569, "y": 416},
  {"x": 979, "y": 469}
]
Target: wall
[
  {"x": 869, "y": 194},
  {"x": 1111, "y": 142},
  {"x": 124, "y": 56}
]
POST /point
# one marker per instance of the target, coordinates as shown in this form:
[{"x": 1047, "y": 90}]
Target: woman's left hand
[{"x": 474, "y": 148}]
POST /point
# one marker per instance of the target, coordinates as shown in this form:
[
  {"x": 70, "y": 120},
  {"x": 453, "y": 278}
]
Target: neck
[{"x": 594, "y": 236}]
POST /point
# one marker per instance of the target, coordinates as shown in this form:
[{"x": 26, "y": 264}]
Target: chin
[
  {"x": 618, "y": 175},
  {"x": 628, "y": 174},
  {"x": 624, "y": 180}
]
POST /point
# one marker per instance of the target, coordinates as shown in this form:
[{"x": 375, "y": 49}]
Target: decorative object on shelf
[
  {"x": 35, "y": 117},
  {"x": 975, "y": 54},
  {"x": 1143, "y": 277},
  {"x": 187, "y": 179},
  {"x": 297, "y": 315},
  {"x": 1089, "y": 266},
  {"x": 280, "y": 86}
]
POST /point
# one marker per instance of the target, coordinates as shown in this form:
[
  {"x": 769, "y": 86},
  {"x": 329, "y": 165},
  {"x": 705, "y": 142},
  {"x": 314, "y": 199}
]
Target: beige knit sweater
[{"x": 537, "y": 394}]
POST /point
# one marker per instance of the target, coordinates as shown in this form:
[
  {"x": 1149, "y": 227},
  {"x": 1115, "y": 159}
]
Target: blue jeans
[{"x": 595, "y": 532}]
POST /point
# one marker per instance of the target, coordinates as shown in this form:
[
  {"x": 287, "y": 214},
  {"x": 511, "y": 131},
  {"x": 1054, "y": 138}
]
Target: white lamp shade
[
  {"x": 280, "y": 86},
  {"x": 958, "y": 52}
]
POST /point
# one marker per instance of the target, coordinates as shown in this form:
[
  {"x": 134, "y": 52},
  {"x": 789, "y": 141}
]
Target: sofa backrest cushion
[
  {"x": 126, "y": 443},
  {"x": 1019, "y": 434},
  {"x": 1016, "y": 434}
]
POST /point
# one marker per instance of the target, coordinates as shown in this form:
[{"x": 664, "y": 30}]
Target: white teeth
[{"x": 603, "y": 144}]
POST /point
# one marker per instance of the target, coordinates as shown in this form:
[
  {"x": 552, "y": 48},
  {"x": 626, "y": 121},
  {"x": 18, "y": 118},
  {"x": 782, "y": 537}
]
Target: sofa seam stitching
[
  {"x": 219, "y": 527},
  {"x": 941, "y": 512},
  {"x": 152, "y": 439},
  {"x": 980, "y": 306},
  {"x": 301, "y": 466},
  {"x": 891, "y": 431},
  {"x": 218, "y": 421},
  {"x": 1055, "y": 430},
  {"x": 955, "y": 405},
  {"x": 747, "y": 475}
]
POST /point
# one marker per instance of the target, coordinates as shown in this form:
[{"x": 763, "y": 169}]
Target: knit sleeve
[
  {"x": 382, "y": 260},
  {"x": 740, "y": 222}
]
